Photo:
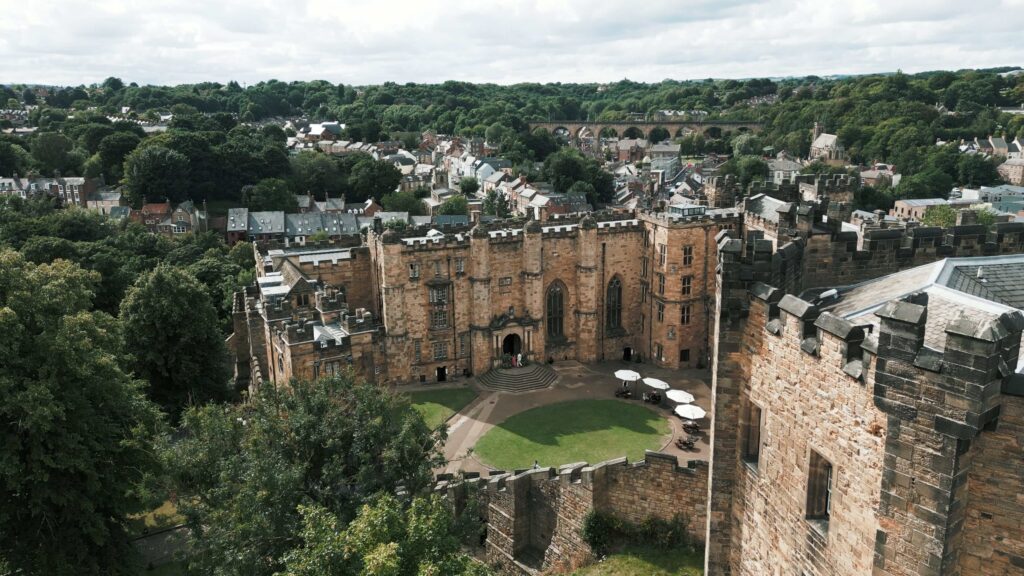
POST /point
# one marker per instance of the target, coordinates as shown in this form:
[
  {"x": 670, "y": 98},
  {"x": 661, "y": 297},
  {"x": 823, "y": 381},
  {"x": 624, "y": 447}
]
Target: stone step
[{"x": 532, "y": 377}]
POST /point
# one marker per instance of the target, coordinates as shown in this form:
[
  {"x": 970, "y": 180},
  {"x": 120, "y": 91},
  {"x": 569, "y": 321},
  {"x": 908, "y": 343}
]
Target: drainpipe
[{"x": 604, "y": 305}]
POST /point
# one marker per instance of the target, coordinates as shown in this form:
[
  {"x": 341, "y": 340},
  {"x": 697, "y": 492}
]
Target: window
[
  {"x": 440, "y": 350},
  {"x": 661, "y": 284},
  {"x": 659, "y": 352},
  {"x": 505, "y": 285},
  {"x": 613, "y": 304},
  {"x": 661, "y": 312},
  {"x": 662, "y": 254},
  {"x": 687, "y": 285},
  {"x": 643, "y": 267},
  {"x": 647, "y": 239},
  {"x": 819, "y": 489},
  {"x": 556, "y": 311},
  {"x": 464, "y": 344},
  {"x": 687, "y": 255},
  {"x": 752, "y": 438},
  {"x": 414, "y": 271},
  {"x": 684, "y": 314},
  {"x": 643, "y": 292},
  {"x": 438, "y": 319},
  {"x": 460, "y": 265},
  {"x": 416, "y": 352},
  {"x": 684, "y": 355},
  {"x": 439, "y": 295},
  {"x": 302, "y": 299}
]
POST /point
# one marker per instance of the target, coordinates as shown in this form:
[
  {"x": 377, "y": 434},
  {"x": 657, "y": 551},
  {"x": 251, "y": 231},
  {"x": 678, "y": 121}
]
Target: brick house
[{"x": 1012, "y": 171}]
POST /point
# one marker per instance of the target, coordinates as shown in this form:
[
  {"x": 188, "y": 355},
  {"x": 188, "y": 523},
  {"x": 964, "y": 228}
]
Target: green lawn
[
  {"x": 436, "y": 406},
  {"x": 577, "y": 431},
  {"x": 647, "y": 562},
  {"x": 165, "y": 516}
]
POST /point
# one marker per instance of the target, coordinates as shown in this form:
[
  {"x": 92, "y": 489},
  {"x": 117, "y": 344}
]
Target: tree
[
  {"x": 112, "y": 151},
  {"x": 373, "y": 179},
  {"x": 976, "y": 170},
  {"x": 385, "y": 538},
  {"x": 456, "y": 205},
  {"x": 76, "y": 431},
  {"x": 271, "y": 194},
  {"x": 403, "y": 202},
  {"x": 317, "y": 174},
  {"x": 153, "y": 173},
  {"x": 52, "y": 151},
  {"x": 496, "y": 203},
  {"x": 746, "y": 168},
  {"x": 468, "y": 185},
  {"x": 943, "y": 216},
  {"x": 171, "y": 330},
  {"x": 243, "y": 471}
]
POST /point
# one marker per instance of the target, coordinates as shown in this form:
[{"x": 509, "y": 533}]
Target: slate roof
[
  {"x": 451, "y": 220},
  {"x": 1003, "y": 283},
  {"x": 765, "y": 207},
  {"x": 825, "y": 141},
  {"x": 266, "y": 222}
]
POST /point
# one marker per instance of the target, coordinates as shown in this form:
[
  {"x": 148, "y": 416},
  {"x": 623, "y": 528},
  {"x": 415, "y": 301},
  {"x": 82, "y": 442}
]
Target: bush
[{"x": 602, "y": 531}]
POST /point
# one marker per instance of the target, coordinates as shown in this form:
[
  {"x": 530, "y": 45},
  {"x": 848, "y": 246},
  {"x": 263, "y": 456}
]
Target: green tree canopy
[
  {"x": 76, "y": 431},
  {"x": 242, "y": 472},
  {"x": 403, "y": 202},
  {"x": 456, "y": 205},
  {"x": 373, "y": 179},
  {"x": 172, "y": 332},
  {"x": 497, "y": 204},
  {"x": 270, "y": 194},
  {"x": 468, "y": 185},
  {"x": 153, "y": 173}
]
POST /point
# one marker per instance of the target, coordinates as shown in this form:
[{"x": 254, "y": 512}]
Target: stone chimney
[{"x": 817, "y": 131}]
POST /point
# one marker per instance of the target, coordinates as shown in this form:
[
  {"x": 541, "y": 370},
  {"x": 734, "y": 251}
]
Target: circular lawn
[{"x": 577, "y": 431}]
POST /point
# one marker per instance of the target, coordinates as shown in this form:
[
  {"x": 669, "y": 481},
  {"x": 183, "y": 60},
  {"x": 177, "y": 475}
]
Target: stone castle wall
[
  {"x": 535, "y": 518},
  {"x": 917, "y": 439}
]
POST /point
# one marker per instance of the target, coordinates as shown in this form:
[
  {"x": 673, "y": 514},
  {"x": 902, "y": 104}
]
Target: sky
[{"x": 73, "y": 42}]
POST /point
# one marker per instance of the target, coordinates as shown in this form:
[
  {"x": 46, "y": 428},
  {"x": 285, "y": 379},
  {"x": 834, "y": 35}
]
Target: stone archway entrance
[{"x": 512, "y": 344}]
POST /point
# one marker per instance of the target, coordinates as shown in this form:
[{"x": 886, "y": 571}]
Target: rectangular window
[
  {"x": 661, "y": 284},
  {"x": 460, "y": 265},
  {"x": 643, "y": 267},
  {"x": 687, "y": 285},
  {"x": 662, "y": 254},
  {"x": 438, "y": 319},
  {"x": 505, "y": 285},
  {"x": 659, "y": 352},
  {"x": 302, "y": 299},
  {"x": 684, "y": 314},
  {"x": 439, "y": 295},
  {"x": 643, "y": 292},
  {"x": 819, "y": 489},
  {"x": 417, "y": 354},
  {"x": 463, "y": 344},
  {"x": 414, "y": 271},
  {"x": 647, "y": 239},
  {"x": 687, "y": 255},
  {"x": 661, "y": 312},
  {"x": 752, "y": 438},
  {"x": 440, "y": 350}
]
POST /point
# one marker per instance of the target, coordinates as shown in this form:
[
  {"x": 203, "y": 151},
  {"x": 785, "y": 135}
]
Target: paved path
[{"x": 576, "y": 381}]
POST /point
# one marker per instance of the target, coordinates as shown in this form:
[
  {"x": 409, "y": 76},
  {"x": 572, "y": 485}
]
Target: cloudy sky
[{"x": 505, "y": 41}]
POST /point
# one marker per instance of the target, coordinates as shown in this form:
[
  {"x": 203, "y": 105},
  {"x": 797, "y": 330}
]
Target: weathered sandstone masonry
[{"x": 535, "y": 517}]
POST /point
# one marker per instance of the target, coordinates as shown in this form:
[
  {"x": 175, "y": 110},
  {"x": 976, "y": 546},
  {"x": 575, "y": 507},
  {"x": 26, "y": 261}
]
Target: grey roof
[
  {"x": 450, "y": 219},
  {"x": 303, "y": 200},
  {"x": 496, "y": 177},
  {"x": 238, "y": 219},
  {"x": 765, "y": 207},
  {"x": 953, "y": 288},
  {"x": 388, "y": 216},
  {"x": 923, "y": 202},
  {"x": 784, "y": 165},
  {"x": 107, "y": 196},
  {"x": 266, "y": 222},
  {"x": 303, "y": 224},
  {"x": 119, "y": 212},
  {"x": 825, "y": 141},
  {"x": 998, "y": 142},
  {"x": 419, "y": 220}
]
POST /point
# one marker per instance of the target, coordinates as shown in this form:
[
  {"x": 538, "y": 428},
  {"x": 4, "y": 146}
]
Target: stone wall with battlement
[
  {"x": 916, "y": 439},
  {"x": 535, "y": 517}
]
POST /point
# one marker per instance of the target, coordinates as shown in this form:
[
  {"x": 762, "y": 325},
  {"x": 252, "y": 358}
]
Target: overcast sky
[{"x": 504, "y": 41}]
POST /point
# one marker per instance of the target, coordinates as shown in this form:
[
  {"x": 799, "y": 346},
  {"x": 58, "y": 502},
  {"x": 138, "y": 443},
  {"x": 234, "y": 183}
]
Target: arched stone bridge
[{"x": 675, "y": 128}]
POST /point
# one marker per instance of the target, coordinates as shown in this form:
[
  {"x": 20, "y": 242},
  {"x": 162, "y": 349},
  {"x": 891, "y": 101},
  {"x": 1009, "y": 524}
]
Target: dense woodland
[{"x": 115, "y": 378}]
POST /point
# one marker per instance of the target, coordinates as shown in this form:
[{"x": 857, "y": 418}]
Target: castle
[{"x": 868, "y": 409}]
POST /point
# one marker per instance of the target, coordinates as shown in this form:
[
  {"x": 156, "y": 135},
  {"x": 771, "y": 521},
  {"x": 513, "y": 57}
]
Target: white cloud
[{"x": 364, "y": 42}]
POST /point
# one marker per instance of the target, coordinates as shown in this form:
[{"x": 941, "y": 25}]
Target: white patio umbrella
[
  {"x": 690, "y": 411},
  {"x": 681, "y": 396},
  {"x": 627, "y": 375},
  {"x": 656, "y": 384}
]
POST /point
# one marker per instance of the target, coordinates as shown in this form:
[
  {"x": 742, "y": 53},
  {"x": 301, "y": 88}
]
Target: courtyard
[{"x": 577, "y": 418}]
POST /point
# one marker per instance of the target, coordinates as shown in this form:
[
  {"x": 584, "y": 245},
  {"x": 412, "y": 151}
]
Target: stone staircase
[{"x": 532, "y": 377}]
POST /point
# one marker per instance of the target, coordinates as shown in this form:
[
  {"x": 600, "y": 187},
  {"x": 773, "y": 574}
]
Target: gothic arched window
[
  {"x": 613, "y": 303},
  {"x": 556, "y": 310}
]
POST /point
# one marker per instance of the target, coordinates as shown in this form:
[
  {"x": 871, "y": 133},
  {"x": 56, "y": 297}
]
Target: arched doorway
[{"x": 512, "y": 344}]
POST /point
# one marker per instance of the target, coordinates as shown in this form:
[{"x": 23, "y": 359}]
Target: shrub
[{"x": 602, "y": 531}]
